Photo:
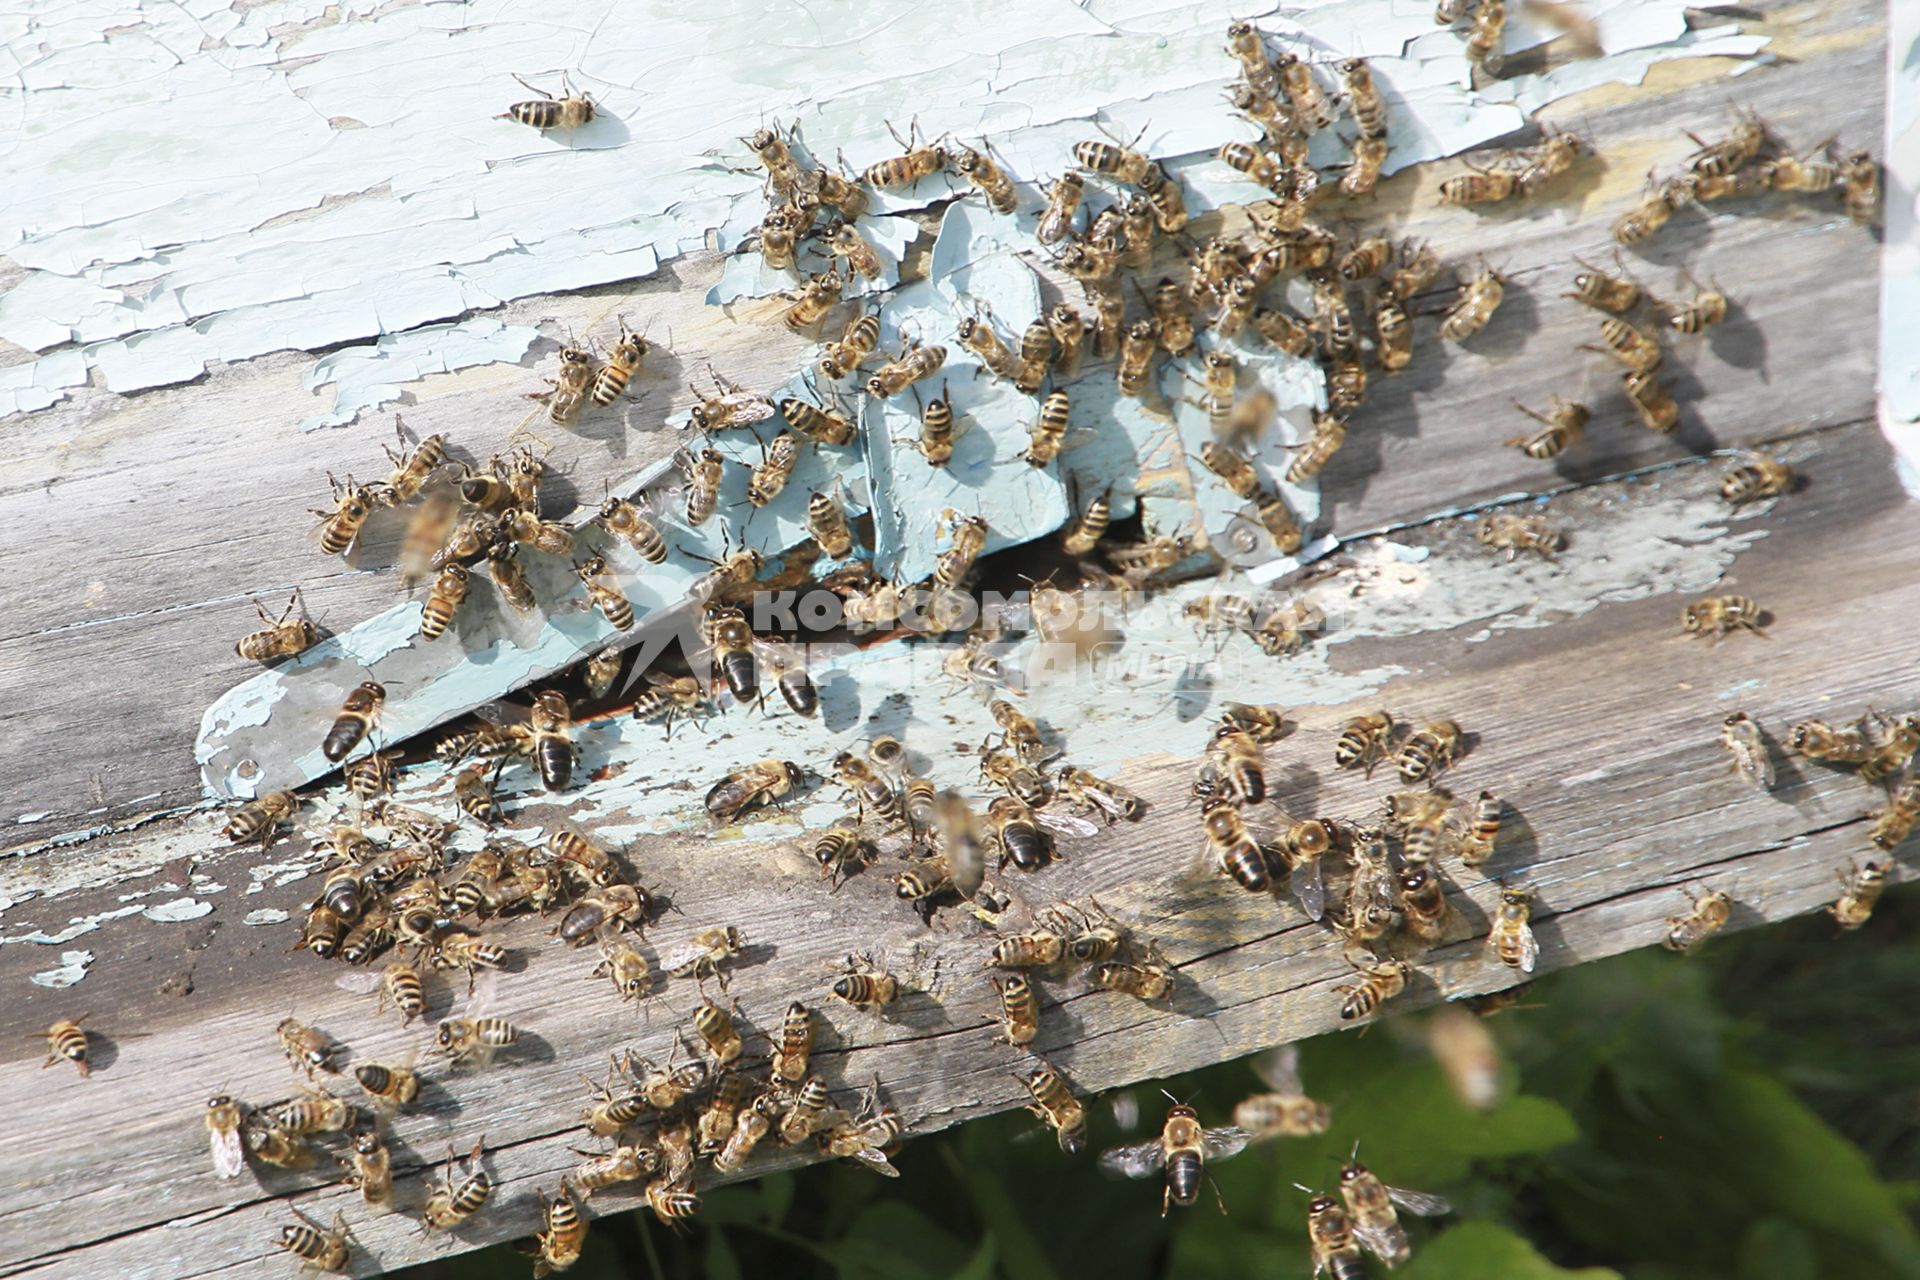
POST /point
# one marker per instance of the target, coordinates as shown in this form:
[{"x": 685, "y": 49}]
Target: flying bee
[
  {"x": 1479, "y": 297},
  {"x": 628, "y": 520},
  {"x": 1560, "y": 430},
  {"x": 1756, "y": 479},
  {"x": 1468, "y": 1056},
  {"x": 1652, "y": 402},
  {"x": 548, "y": 112},
  {"x": 1893, "y": 824},
  {"x": 1329, "y": 433},
  {"x": 864, "y": 985},
  {"x": 843, "y": 358},
  {"x": 1019, "y": 1009},
  {"x": 1603, "y": 292},
  {"x": 1364, "y": 103},
  {"x": 976, "y": 167},
  {"x": 453, "y": 1203},
  {"x": 1329, "y": 1230},
  {"x": 915, "y": 363},
  {"x": 1371, "y": 1207},
  {"x": 223, "y": 1118},
  {"x": 1741, "y": 736},
  {"x": 1504, "y": 531},
  {"x": 626, "y": 968},
  {"x": 1859, "y": 892},
  {"x": 752, "y": 786},
  {"x": 623, "y": 361},
  {"x": 1511, "y": 940},
  {"x": 1054, "y": 1103},
  {"x": 567, "y": 393},
  {"x": 1136, "y": 357},
  {"x": 1708, "y": 916},
  {"x": 904, "y": 170},
  {"x": 321, "y": 1248},
  {"x": 278, "y": 639},
  {"x": 1169, "y": 206},
  {"x": 1475, "y": 845},
  {"x": 1182, "y": 1148},
  {"x": 1718, "y": 616},
  {"x": 1480, "y": 186},
  {"x": 338, "y": 528},
  {"x": 1428, "y": 751},
  {"x": 1089, "y": 794},
  {"x": 1485, "y": 36},
  {"x": 1860, "y": 187},
  {"x": 1233, "y": 848},
  {"x": 260, "y": 817},
  {"x": 509, "y": 578},
  {"x": 1380, "y": 981},
  {"x": 1363, "y": 173},
  {"x": 601, "y": 912},
  {"x": 1287, "y": 1111}
]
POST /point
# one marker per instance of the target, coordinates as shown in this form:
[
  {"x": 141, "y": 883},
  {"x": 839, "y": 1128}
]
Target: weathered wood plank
[
  {"x": 1597, "y": 729},
  {"x": 175, "y": 545}
]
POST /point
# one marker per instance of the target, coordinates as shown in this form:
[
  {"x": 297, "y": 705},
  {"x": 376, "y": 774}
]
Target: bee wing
[
  {"x": 1383, "y": 1240},
  {"x": 1309, "y": 888},
  {"x": 1419, "y": 1202},
  {"x": 743, "y": 408},
  {"x": 229, "y": 1157},
  {"x": 1280, "y": 1068},
  {"x": 486, "y": 992},
  {"x": 359, "y": 983},
  {"x": 1139, "y": 1160},
  {"x": 1225, "y": 1142},
  {"x": 682, "y": 956},
  {"x": 1105, "y": 803},
  {"x": 876, "y": 1160},
  {"x": 1125, "y": 1108},
  {"x": 1529, "y": 949},
  {"x": 1065, "y": 823}
]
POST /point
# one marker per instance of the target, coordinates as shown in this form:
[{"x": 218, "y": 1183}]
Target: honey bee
[
  {"x": 1019, "y": 1009},
  {"x": 1511, "y": 939},
  {"x": 260, "y": 817},
  {"x": 1479, "y": 297},
  {"x": 1544, "y": 163},
  {"x": 320, "y": 1248},
  {"x": 1892, "y": 755},
  {"x": 703, "y": 956},
  {"x": 1860, "y": 188},
  {"x": 318, "y": 1112},
  {"x": 1112, "y": 160},
  {"x": 915, "y": 363},
  {"x": 867, "y": 1137},
  {"x": 600, "y": 913},
  {"x": 1047, "y": 437},
  {"x": 1561, "y": 430},
  {"x": 1287, "y": 1111},
  {"x": 1234, "y": 471},
  {"x": 751, "y": 786},
  {"x": 1708, "y": 916},
  {"x": 1603, "y": 292},
  {"x": 976, "y": 167},
  {"x": 824, "y": 426},
  {"x": 810, "y": 306},
  {"x": 1068, "y": 332},
  {"x": 567, "y": 393},
  {"x": 1708, "y": 308},
  {"x": 730, "y": 406},
  {"x": 443, "y": 601},
  {"x": 778, "y": 458},
  {"x": 1859, "y": 893},
  {"x": 599, "y": 580},
  {"x": 1080, "y": 537},
  {"x": 1021, "y": 833},
  {"x": 703, "y": 473},
  {"x": 1644, "y": 220},
  {"x": 672, "y": 1203},
  {"x": 509, "y": 579},
  {"x": 1282, "y": 331},
  {"x": 1136, "y": 357},
  {"x": 1380, "y": 981},
  {"x": 865, "y": 985},
  {"x": 1718, "y": 616},
  {"x": 1366, "y": 258},
  {"x": 1467, "y": 1056},
  {"x": 305, "y": 1048},
  {"x": 548, "y": 112},
  {"x": 904, "y": 170},
  {"x": 1504, "y": 531},
  {"x": 453, "y": 1203},
  {"x": 1893, "y": 824},
  {"x": 1036, "y": 353},
  {"x": 1652, "y": 402},
  {"x": 1329, "y": 1231},
  {"x": 626, "y": 968},
  {"x": 1817, "y": 740},
  {"x": 1233, "y": 848},
  {"x": 548, "y": 738},
  {"x": 1741, "y": 145},
  {"x": 575, "y": 850},
  {"x": 1428, "y": 751},
  {"x": 401, "y": 984},
  {"x": 474, "y": 1041},
  {"x": 1485, "y": 36},
  {"x": 628, "y": 520},
  {"x": 1371, "y": 1208},
  {"x": 1740, "y": 735},
  {"x": 843, "y": 358},
  {"x": 1063, "y": 201},
  {"x": 1282, "y": 631},
  {"x": 861, "y": 259},
  {"x": 1182, "y": 1148},
  {"x": 1364, "y": 103},
  {"x": 559, "y": 1246},
  {"x": 1756, "y": 479},
  {"x": 279, "y": 639},
  {"x": 1631, "y": 346},
  {"x": 784, "y": 173},
  {"x": 223, "y": 1133},
  {"x": 1054, "y": 1103},
  {"x": 1259, "y": 166},
  {"x": 457, "y": 948},
  {"x": 1150, "y": 979},
  {"x": 1089, "y": 794},
  {"x": 1313, "y": 454},
  {"x": 66, "y": 1040},
  {"x": 370, "y": 1169},
  {"x": 1480, "y": 186},
  {"x": 1169, "y": 207},
  {"x": 1109, "y": 319},
  {"x": 1475, "y": 845},
  {"x": 272, "y": 1145},
  {"x": 622, "y": 363},
  {"x": 1363, "y": 173},
  {"x": 338, "y": 528},
  {"x": 978, "y": 336},
  {"x": 622, "y": 1164},
  {"x": 777, "y": 239}
]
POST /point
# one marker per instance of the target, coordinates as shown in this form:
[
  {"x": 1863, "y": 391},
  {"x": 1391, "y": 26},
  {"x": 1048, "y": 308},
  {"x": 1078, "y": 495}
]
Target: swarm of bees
[{"x": 395, "y": 890}]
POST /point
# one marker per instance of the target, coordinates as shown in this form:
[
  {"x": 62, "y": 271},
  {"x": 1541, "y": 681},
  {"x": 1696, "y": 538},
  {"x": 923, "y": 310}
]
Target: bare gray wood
[
  {"x": 134, "y": 531},
  {"x": 1598, "y": 730}
]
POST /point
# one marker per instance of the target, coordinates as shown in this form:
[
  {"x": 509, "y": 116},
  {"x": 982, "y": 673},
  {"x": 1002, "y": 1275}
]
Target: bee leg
[{"x": 1217, "y": 1197}]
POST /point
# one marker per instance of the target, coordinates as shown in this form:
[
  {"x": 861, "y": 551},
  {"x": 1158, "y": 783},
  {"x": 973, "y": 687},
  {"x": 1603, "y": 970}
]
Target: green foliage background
[{"x": 1752, "y": 1113}]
